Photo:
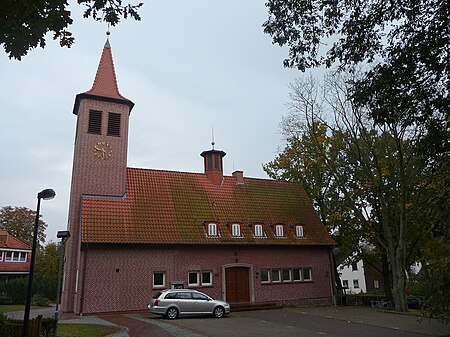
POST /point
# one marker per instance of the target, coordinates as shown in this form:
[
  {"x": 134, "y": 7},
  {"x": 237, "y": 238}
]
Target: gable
[{"x": 172, "y": 207}]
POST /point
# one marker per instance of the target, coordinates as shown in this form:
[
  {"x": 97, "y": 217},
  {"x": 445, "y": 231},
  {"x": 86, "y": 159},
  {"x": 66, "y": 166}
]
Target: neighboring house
[
  {"x": 14, "y": 257},
  {"x": 134, "y": 231},
  {"x": 360, "y": 277}
]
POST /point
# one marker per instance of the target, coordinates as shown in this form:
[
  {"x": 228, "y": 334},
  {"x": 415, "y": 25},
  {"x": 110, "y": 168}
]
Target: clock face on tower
[{"x": 102, "y": 150}]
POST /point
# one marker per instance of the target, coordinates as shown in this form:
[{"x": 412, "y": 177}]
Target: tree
[
  {"x": 19, "y": 222},
  {"x": 47, "y": 271},
  {"x": 24, "y": 23},
  {"x": 406, "y": 42},
  {"x": 373, "y": 171}
]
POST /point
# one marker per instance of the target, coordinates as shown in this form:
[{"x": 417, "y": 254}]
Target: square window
[
  {"x": 265, "y": 276},
  {"x": 286, "y": 275},
  {"x": 193, "y": 278},
  {"x": 276, "y": 275},
  {"x": 279, "y": 232},
  {"x": 206, "y": 278},
  {"x": 159, "y": 279},
  {"x": 307, "y": 274},
  {"x": 297, "y": 273},
  {"x": 259, "y": 231},
  {"x": 356, "y": 284}
]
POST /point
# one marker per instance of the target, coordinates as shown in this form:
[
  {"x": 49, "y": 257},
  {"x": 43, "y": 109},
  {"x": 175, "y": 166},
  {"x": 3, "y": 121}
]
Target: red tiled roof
[
  {"x": 105, "y": 82},
  {"x": 171, "y": 207},
  {"x": 9, "y": 241}
]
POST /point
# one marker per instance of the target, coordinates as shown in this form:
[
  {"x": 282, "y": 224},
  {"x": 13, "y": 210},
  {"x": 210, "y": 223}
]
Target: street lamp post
[
  {"x": 46, "y": 194},
  {"x": 63, "y": 235}
]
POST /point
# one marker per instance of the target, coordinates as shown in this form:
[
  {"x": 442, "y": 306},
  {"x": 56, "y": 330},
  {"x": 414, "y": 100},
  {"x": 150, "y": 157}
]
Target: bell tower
[{"x": 99, "y": 161}]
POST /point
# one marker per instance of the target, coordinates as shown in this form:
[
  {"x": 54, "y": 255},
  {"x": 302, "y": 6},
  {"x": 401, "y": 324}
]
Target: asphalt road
[{"x": 304, "y": 322}]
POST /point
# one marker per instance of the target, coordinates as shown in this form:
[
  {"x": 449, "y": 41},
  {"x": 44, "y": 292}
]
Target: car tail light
[{"x": 156, "y": 302}]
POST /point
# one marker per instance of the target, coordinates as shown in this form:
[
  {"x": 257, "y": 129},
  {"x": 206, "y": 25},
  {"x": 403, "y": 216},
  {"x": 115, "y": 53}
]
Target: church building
[{"x": 137, "y": 230}]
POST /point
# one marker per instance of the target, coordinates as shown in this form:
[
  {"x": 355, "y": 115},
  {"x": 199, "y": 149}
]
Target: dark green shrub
[
  {"x": 40, "y": 300},
  {"x": 48, "y": 327},
  {"x": 46, "y": 286},
  {"x": 16, "y": 290}
]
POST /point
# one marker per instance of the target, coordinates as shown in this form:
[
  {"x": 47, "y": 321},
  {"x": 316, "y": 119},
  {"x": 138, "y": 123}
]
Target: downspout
[
  {"x": 332, "y": 275},
  {"x": 84, "y": 280}
]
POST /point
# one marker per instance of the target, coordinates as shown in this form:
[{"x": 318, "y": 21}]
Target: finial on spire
[
  {"x": 212, "y": 142},
  {"x": 108, "y": 33}
]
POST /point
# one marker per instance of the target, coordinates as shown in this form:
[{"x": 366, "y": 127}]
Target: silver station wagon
[{"x": 178, "y": 302}]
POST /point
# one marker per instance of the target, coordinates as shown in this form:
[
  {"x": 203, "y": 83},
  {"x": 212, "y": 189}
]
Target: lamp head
[
  {"x": 63, "y": 234},
  {"x": 46, "y": 194}
]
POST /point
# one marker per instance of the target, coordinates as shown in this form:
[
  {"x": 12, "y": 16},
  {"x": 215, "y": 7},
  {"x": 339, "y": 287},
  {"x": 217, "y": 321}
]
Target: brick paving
[{"x": 136, "y": 328}]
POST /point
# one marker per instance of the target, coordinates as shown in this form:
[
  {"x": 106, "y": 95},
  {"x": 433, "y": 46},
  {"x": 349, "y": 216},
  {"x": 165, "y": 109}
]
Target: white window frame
[
  {"x": 277, "y": 271},
  {"x": 1, "y": 256},
  {"x": 163, "y": 285},
  {"x": 279, "y": 231},
  {"x": 259, "y": 232},
  {"x": 209, "y": 272},
  {"x": 212, "y": 229},
  {"x": 236, "y": 230},
  {"x": 345, "y": 284},
  {"x": 289, "y": 279},
  {"x": 310, "y": 274},
  {"x": 356, "y": 284},
  {"x": 196, "y": 284},
  {"x": 299, "y": 232},
  {"x": 300, "y": 273},
  {"x": 264, "y": 270},
  {"x": 376, "y": 284},
  {"x": 10, "y": 259}
]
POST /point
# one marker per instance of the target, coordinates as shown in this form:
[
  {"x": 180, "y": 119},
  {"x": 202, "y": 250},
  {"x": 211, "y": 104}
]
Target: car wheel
[
  {"x": 172, "y": 313},
  {"x": 218, "y": 312}
]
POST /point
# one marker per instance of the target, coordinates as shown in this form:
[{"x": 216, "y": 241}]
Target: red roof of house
[
  {"x": 172, "y": 207},
  {"x": 9, "y": 241}
]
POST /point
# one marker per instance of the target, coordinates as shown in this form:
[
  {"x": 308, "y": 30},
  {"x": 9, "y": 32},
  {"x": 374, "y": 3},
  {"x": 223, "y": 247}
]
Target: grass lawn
[
  {"x": 85, "y": 330},
  {"x": 14, "y": 307}
]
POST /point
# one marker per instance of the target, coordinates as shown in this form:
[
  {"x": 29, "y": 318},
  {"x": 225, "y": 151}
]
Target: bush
[
  {"x": 48, "y": 327},
  {"x": 41, "y": 300},
  {"x": 16, "y": 290}
]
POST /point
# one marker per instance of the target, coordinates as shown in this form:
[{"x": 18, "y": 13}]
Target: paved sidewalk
[{"x": 371, "y": 316}]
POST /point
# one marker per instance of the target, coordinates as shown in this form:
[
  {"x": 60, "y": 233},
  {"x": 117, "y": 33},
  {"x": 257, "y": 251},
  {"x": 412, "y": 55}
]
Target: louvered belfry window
[
  {"x": 114, "y": 124},
  {"x": 95, "y": 122}
]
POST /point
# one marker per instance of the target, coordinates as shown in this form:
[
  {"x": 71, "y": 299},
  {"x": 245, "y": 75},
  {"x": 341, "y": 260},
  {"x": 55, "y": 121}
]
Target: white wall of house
[{"x": 352, "y": 277}]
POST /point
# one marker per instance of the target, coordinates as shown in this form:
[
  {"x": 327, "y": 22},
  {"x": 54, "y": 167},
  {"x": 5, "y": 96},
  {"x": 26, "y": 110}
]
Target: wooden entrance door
[{"x": 237, "y": 281}]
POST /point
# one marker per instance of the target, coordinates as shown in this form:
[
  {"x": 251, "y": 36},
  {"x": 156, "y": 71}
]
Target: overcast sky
[{"x": 187, "y": 66}]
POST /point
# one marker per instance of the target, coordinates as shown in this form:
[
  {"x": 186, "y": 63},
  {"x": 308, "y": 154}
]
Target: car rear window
[{"x": 157, "y": 294}]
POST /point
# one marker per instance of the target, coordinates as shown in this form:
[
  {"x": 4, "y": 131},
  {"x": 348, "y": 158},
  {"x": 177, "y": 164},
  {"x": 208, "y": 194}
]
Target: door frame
[{"x": 250, "y": 279}]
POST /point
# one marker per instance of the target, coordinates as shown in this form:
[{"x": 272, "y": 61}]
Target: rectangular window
[
  {"x": 259, "y": 231},
  {"x": 345, "y": 284},
  {"x": 9, "y": 256},
  {"x": 279, "y": 231},
  {"x": 299, "y": 231},
  {"x": 297, "y": 273},
  {"x": 286, "y": 275},
  {"x": 376, "y": 284},
  {"x": 193, "y": 278},
  {"x": 356, "y": 284},
  {"x": 23, "y": 257},
  {"x": 307, "y": 274},
  {"x": 1, "y": 256},
  {"x": 113, "y": 124},
  {"x": 159, "y": 279},
  {"x": 206, "y": 278},
  {"x": 16, "y": 256},
  {"x": 275, "y": 275},
  {"x": 354, "y": 266},
  {"x": 265, "y": 276},
  {"x": 212, "y": 229},
  {"x": 235, "y": 230},
  {"x": 95, "y": 122}
]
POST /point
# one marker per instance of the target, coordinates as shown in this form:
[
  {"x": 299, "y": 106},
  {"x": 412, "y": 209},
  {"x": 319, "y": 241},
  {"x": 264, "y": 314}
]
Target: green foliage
[
  {"x": 405, "y": 42},
  {"x": 15, "y": 290},
  {"x": 48, "y": 327},
  {"x": 25, "y": 24},
  {"x": 19, "y": 222}
]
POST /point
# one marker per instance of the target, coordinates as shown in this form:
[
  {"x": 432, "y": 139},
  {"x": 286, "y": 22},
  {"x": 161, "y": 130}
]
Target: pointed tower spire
[{"x": 105, "y": 86}]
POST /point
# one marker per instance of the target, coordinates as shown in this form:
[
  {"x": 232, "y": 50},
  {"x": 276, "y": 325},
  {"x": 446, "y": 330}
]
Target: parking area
[{"x": 305, "y": 322}]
